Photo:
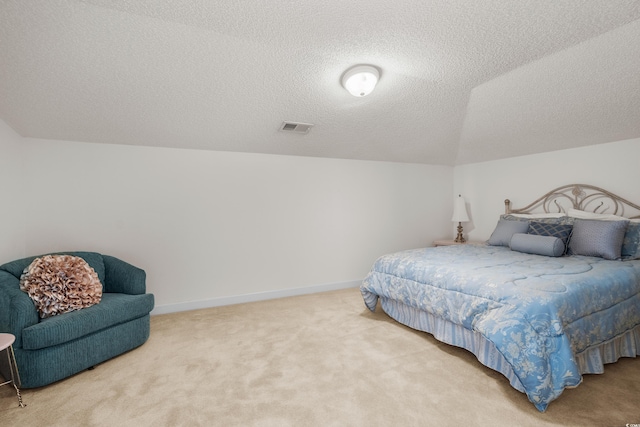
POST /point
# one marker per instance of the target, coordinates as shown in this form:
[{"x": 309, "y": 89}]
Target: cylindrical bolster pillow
[{"x": 538, "y": 245}]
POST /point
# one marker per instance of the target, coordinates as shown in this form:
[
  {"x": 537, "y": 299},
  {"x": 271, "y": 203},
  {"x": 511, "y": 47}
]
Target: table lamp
[{"x": 460, "y": 215}]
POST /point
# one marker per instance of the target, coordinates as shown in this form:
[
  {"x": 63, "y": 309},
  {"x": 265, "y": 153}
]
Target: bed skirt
[{"x": 590, "y": 361}]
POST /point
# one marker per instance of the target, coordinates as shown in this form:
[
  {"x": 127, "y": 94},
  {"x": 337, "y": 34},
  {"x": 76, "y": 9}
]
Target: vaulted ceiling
[{"x": 461, "y": 81}]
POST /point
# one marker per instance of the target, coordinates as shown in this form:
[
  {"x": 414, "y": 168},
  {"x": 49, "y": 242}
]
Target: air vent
[{"x": 296, "y": 127}]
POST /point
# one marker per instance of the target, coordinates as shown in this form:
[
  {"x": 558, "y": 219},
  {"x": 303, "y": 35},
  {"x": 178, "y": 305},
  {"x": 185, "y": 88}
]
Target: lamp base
[{"x": 460, "y": 238}]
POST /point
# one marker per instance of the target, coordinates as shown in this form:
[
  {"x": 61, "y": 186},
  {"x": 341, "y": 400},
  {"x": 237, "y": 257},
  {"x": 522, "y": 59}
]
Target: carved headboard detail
[{"x": 580, "y": 196}]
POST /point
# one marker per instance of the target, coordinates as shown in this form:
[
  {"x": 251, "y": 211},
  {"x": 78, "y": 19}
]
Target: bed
[{"x": 552, "y": 295}]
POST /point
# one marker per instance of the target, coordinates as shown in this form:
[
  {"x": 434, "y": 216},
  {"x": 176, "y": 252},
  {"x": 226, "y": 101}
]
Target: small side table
[{"x": 6, "y": 343}]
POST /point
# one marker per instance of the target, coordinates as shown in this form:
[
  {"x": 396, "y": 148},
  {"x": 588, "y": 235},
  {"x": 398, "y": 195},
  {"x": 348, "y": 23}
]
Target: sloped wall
[
  {"x": 614, "y": 167},
  {"x": 211, "y": 226}
]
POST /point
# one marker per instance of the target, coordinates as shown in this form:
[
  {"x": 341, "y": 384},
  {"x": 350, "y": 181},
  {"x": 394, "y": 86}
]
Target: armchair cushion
[{"x": 114, "y": 309}]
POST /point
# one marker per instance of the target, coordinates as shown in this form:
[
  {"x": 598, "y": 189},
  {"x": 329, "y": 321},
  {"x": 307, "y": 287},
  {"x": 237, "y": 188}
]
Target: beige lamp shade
[{"x": 460, "y": 210}]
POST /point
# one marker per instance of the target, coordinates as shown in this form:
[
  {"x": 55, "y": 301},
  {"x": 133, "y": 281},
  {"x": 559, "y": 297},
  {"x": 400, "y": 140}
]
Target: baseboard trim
[{"x": 259, "y": 296}]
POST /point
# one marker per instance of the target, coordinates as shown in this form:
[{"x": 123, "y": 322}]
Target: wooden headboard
[{"x": 580, "y": 196}]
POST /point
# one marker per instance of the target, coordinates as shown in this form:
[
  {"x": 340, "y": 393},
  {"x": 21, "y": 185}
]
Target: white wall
[
  {"x": 213, "y": 225},
  {"x": 12, "y": 177},
  {"x": 614, "y": 167}
]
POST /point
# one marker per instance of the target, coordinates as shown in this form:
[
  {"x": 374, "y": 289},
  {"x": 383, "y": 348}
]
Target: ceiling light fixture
[{"x": 360, "y": 80}]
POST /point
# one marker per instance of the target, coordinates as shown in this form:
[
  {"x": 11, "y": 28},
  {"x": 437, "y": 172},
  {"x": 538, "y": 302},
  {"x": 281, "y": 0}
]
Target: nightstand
[{"x": 452, "y": 243}]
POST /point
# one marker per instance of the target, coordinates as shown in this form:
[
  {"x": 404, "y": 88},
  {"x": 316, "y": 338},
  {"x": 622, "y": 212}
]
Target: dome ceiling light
[{"x": 360, "y": 80}]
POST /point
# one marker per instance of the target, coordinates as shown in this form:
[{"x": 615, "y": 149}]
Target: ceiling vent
[{"x": 296, "y": 127}]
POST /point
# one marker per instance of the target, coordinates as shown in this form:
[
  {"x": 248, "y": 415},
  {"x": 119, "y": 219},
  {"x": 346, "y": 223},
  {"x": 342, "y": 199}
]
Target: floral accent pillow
[{"x": 61, "y": 283}]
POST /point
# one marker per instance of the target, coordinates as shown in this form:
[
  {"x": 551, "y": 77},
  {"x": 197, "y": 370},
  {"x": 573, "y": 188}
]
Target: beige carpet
[{"x": 314, "y": 360}]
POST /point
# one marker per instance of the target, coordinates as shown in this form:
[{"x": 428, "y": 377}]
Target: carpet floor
[{"x": 313, "y": 360}]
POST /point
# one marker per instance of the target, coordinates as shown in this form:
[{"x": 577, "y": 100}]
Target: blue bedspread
[{"x": 538, "y": 311}]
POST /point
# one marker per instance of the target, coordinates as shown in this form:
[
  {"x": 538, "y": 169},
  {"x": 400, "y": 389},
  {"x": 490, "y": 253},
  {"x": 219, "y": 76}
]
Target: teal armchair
[{"x": 51, "y": 349}]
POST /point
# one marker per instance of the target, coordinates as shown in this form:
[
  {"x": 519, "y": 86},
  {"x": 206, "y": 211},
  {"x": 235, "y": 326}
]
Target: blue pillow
[
  {"x": 501, "y": 236},
  {"x": 631, "y": 242},
  {"x": 561, "y": 231},
  {"x": 538, "y": 245},
  {"x": 598, "y": 238},
  {"x": 551, "y": 219}
]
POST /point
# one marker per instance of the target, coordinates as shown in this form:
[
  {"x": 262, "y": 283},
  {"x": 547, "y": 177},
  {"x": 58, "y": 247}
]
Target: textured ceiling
[{"x": 461, "y": 81}]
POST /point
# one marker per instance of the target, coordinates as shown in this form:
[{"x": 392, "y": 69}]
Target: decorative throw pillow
[
  {"x": 551, "y": 218},
  {"x": 561, "y": 231},
  {"x": 538, "y": 245},
  {"x": 61, "y": 283},
  {"x": 501, "y": 236},
  {"x": 631, "y": 242},
  {"x": 598, "y": 238}
]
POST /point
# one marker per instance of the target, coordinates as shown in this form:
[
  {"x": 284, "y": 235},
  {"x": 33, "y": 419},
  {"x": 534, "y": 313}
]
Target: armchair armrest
[
  {"x": 17, "y": 310},
  {"x": 122, "y": 277}
]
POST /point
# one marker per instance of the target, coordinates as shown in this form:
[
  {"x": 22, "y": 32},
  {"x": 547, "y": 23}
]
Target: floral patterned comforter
[{"x": 538, "y": 311}]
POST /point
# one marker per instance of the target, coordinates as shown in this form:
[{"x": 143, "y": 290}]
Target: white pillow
[
  {"x": 540, "y": 215},
  {"x": 576, "y": 213}
]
